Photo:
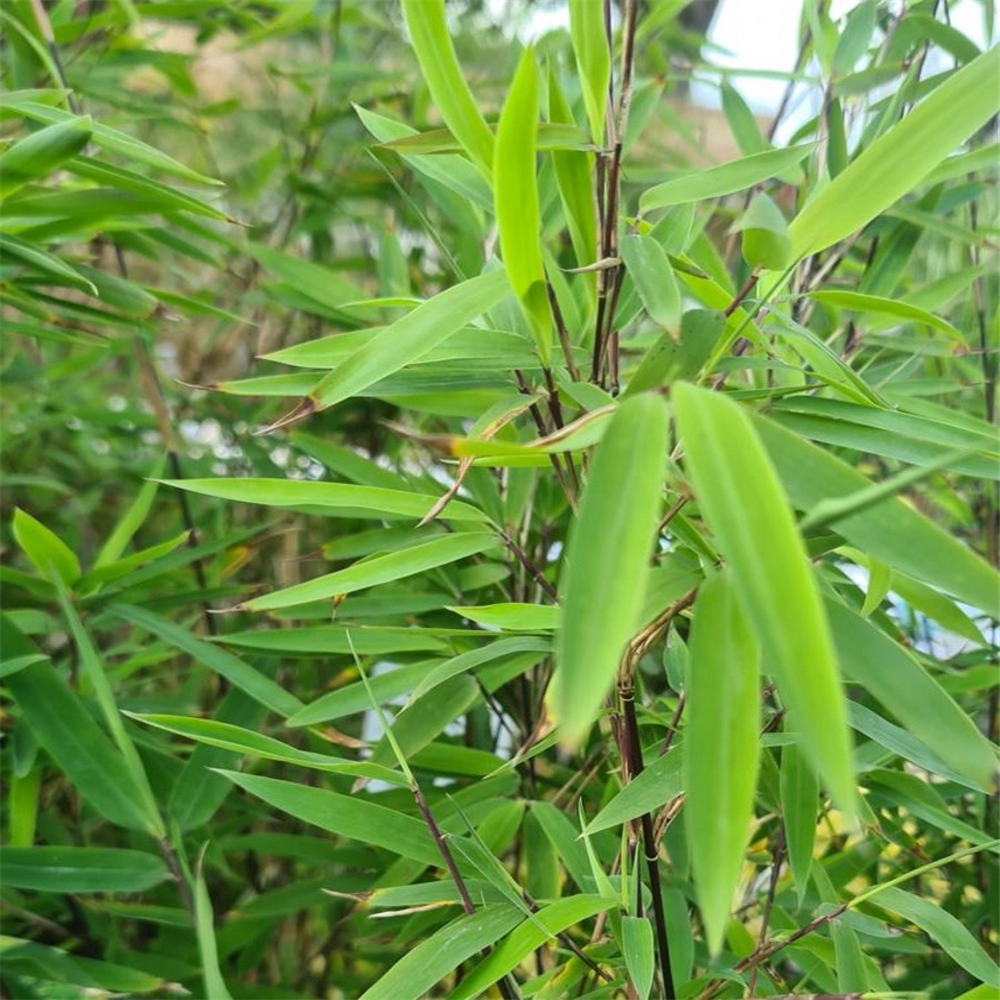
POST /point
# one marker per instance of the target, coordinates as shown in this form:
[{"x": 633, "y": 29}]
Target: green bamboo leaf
[
  {"x": 512, "y": 617},
  {"x": 17, "y": 651},
  {"x": 593, "y": 61},
  {"x": 726, "y": 178},
  {"x": 659, "y": 782},
  {"x": 110, "y": 139},
  {"x": 348, "y": 816},
  {"x": 913, "y": 696},
  {"x": 81, "y": 869},
  {"x": 243, "y": 741},
  {"x": 528, "y": 937},
  {"x": 409, "y": 338},
  {"x": 670, "y": 359},
  {"x": 54, "y": 269},
  {"x": 949, "y": 932},
  {"x": 901, "y": 158},
  {"x": 765, "y": 235},
  {"x": 637, "y": 948},
  {"x": 649, "y": 267},
  {"x": 36, "y": 156},
  {"x": 53, "y": 965},
  {"x": 324, "y": 640},
  {"x": 420, "y": 969},
  {"x": 606, "y": 569},
  {"x": 377, "y": 570},
  {"x": 352, "y": 698},
  {"x": 48, "y": 553},
  {"x": 427, "y": 23},
  {"x": 60, "y": 723},
  {"x": 515, "y": 188},
  {"x": 239, "y": 674},
  {"x": 204, "y": 925},
  {"x": 575, "y": 177},
  {"x": 772, "y": 574},
  {"x": 742, "y": 121},
  {"x": 331, "y": 499},
  {"x": 133, "y": 519},
  {"x": 455, "y": 172},
  {"x": 859, "y": 302},
  {"x": 891, "y": 531},
  {"x": 721, "y": 749},
  {"x": 799, "y": 807},
  {"x": 527, "y": 649}
]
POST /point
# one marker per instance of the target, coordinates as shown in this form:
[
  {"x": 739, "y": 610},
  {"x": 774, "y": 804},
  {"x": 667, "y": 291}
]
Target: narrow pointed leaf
[
  {"x": 81, "y": 869},
  {"x": 721, "y": 749},
  {"x": 515, "y": 187},
  {"x": 427, "y": 23},
  {"x": 727, "y": 178},
  {"x": 741, "y": 497},
  {"x": 593, "y": 60},
  {"x": 901, "y": 158},
  {"x": 410, "y": 337},
  {"x": 377, "y": 570},
  {"x": 606, "y": 568}
]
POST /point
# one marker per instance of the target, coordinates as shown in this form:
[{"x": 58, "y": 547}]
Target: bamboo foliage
[{"x": 606, "y": 605}]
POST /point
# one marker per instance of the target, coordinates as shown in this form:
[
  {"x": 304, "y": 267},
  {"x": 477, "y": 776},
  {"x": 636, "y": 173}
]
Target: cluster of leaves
[{"x": 613, "y": 609}]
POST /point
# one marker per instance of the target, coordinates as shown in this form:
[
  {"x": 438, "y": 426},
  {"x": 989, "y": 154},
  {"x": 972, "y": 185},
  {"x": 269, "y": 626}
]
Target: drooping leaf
[
  {"x": 772, "y": 575},
  {"x": 721, "y": 749},
  {"x": 606, "y": 568}
]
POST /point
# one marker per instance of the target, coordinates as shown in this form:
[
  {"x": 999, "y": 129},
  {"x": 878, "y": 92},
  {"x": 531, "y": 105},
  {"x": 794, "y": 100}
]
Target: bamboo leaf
[
  {"x": 758, "y": 537},
  {"x": 204, "y": 923},
  {"x": 799, "y": 806},
  {"x": 529, "y": 936},
  {"x": 893, "y": 676},
  {"x": 515, "y": 187},
  {"x": 659, "y": 782},
  {"x": 949, "y": 932},
  {"x": 345, "y": 815},
  {"x": 48, "y": 553},
  {"x": 727, "y": 178},
  {"x": 609, "y": 541},
  {"x": 377, "y": 570},
  {"x": 649, "y": 267},
  {"x": 240, "y": 674},
  {"x": 901, "y": 158},
  {"x": 637, "y": 948},
  {"x": 427, "y": 23},
  {"x": 891, "y": 531},
  {"x": 37, "y": 155},
  {"x": 593, "y": 61},
  {"x": 243, "y": 741},
  {"x": 418, "y": 971},
  {"x": 409, "y": 338},
  {"x": 76, "y": 743},
  {"x": 81, "y": 869},
  {"x": 331, "y": 499},
  {"x": 721, "y": 749}
]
